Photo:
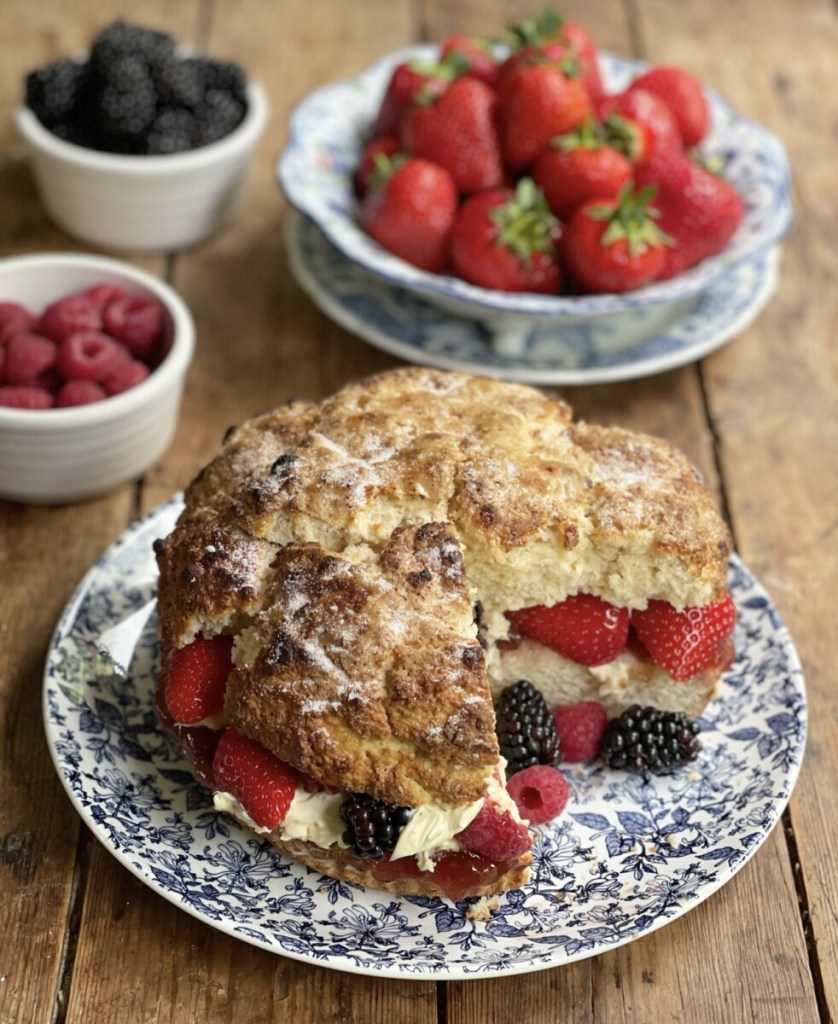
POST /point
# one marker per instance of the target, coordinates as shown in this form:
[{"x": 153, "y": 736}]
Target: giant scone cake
[{"x": 348, "y": 588}]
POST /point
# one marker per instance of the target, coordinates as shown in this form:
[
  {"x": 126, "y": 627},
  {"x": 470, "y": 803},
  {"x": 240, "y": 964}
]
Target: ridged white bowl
[
  {"x": 143, "y": 203},
  {"x": 58, "y": 456}
]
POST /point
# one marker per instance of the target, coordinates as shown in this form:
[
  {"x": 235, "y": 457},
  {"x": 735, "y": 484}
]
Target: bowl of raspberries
[
  {"x": 93, "y": 357},
  {"x": 138, "y": 145},
  {"x": 532, "y": 175}
]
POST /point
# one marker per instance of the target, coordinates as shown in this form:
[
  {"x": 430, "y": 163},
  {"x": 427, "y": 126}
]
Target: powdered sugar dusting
[{"x": 356, "y": 474}]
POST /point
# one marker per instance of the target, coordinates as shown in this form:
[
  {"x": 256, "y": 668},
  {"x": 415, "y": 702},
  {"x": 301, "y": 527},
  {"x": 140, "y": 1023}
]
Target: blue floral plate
[
  {"x": 405, "y": 324},
  {"x": 624, "y": 859}
]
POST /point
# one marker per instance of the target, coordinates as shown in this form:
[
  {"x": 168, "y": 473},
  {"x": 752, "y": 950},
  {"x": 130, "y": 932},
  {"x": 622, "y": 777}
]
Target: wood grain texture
[{"x": 759, "y": 418}]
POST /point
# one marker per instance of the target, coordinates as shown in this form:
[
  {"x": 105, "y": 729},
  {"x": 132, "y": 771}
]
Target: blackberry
[
  {"x": 180, "y": 83},
  {"x": 52, "y": 91},
  {"x": 123, "y": 39},
  {"x": 648, "y": 741},
  {"x": 217, "y": 116},
  {"x": 525, "y": 729},
  {"x": 136, "y": 95},
  {"x": 372, "y": 827},
  {"x": 172, "y": 131},
  {"x": 127, "y": 103},
  {"x": 223, "y": 75}
]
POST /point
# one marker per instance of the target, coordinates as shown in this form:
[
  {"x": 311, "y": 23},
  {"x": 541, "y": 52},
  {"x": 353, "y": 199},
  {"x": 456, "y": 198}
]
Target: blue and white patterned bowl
[{"x": 327, "y": 132}]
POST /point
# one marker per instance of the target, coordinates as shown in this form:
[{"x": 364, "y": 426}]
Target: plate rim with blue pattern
[{"x": 624, "y": 859}]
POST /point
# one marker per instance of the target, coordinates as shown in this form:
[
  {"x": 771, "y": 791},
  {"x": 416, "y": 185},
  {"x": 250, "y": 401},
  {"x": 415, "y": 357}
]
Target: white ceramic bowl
[
  {"x": 143, "y": 203},
  {"x": 329, "y": 127},
  {"x": 57, "y": 456}
]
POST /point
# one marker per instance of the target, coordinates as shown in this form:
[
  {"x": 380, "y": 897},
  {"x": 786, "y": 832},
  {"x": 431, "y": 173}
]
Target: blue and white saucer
[
  {"x": 625, "y": 857},
  {"x": 401, "y": 322}
]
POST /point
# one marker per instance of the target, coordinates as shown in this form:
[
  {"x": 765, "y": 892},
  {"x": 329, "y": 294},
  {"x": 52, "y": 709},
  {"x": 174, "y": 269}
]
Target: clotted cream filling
[{"x": 431, "y": 828}]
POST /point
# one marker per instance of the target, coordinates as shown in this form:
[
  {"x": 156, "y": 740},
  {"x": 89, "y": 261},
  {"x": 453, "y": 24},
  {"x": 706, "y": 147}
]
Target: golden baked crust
[
  {"x": 541, "y": 507},
  {"x": 367, "y": 673}
]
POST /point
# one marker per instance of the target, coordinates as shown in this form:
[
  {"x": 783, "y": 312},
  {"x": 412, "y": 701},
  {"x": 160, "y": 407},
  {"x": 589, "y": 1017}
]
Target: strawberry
[
  {"x": 410, "y": 82},
  {"x": 536, "y": 101},
  {"x": 411, "y": 212},
  {"x": 683, "y": 94},
  {"x": 699, "y": 210},
  {"x": 561, "y": 41},
  {"x": 197, "y": 742},
  {"x": 366, "y": 168},
  {"x": 659, "y": 128},
  {"x": 476, "y": 55},
  {"x": 627, "y": 136},
  {"x": 457, "y": 131},
  {"x": 583, "y": 628},
  {"x": 507, "y": 241},
  {"x": 689, "y": 641},
  {"x": 586, "y": 53},
  {"x": 196, "y": 679},
  {"x": 578, "y": 167},
  {"x": 614, "y": 245},
  {"x": 261, "y": 783}
]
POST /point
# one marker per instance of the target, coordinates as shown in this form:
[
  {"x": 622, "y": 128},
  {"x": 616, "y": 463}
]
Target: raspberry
[
  {"x": 79, "y": 392},
  {"x": 540, "y": 792},
  {"x": 136, "y": 321},
  {"x": 88, "y": 355},
  {"x": 102, "y": 294},
  {"x": 14, "y": 319},
  {"x": 29, "y": 360},
  {"x": 580, "y": 727},
  {"x": 125, "y": 376},
  {"x": 68, "y": 316},
  {"x": 495, "y": 834},
  {"x": 22, "y": 397}
]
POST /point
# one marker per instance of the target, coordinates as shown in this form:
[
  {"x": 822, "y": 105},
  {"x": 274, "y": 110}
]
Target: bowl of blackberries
[{"x": 139, "y": 145}]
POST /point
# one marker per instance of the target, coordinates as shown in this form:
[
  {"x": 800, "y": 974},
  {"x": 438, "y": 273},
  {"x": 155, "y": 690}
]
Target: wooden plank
[
  {"x": 773, "y": 394},
  {"x": 770, "y": 978},
  {"x": 43, "y": 553}
]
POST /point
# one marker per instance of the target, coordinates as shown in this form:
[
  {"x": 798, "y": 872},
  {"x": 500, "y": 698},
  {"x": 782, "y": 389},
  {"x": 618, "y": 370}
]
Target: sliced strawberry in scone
[
  {"x": 193, "y": 690},
  {"x": 689, "y": 641},
  {"x": 262, "y": 784},
  {"x": 583, "y": 627}
]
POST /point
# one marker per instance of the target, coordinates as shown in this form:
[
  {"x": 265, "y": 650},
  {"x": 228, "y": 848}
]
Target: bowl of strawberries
[{"x": 533, "y": 177}]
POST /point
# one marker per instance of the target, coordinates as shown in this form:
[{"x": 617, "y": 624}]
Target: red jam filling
[{"x": 457, "y": 873}]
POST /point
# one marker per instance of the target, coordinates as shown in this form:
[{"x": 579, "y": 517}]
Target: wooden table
[{"x": 85, "y": 941}]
